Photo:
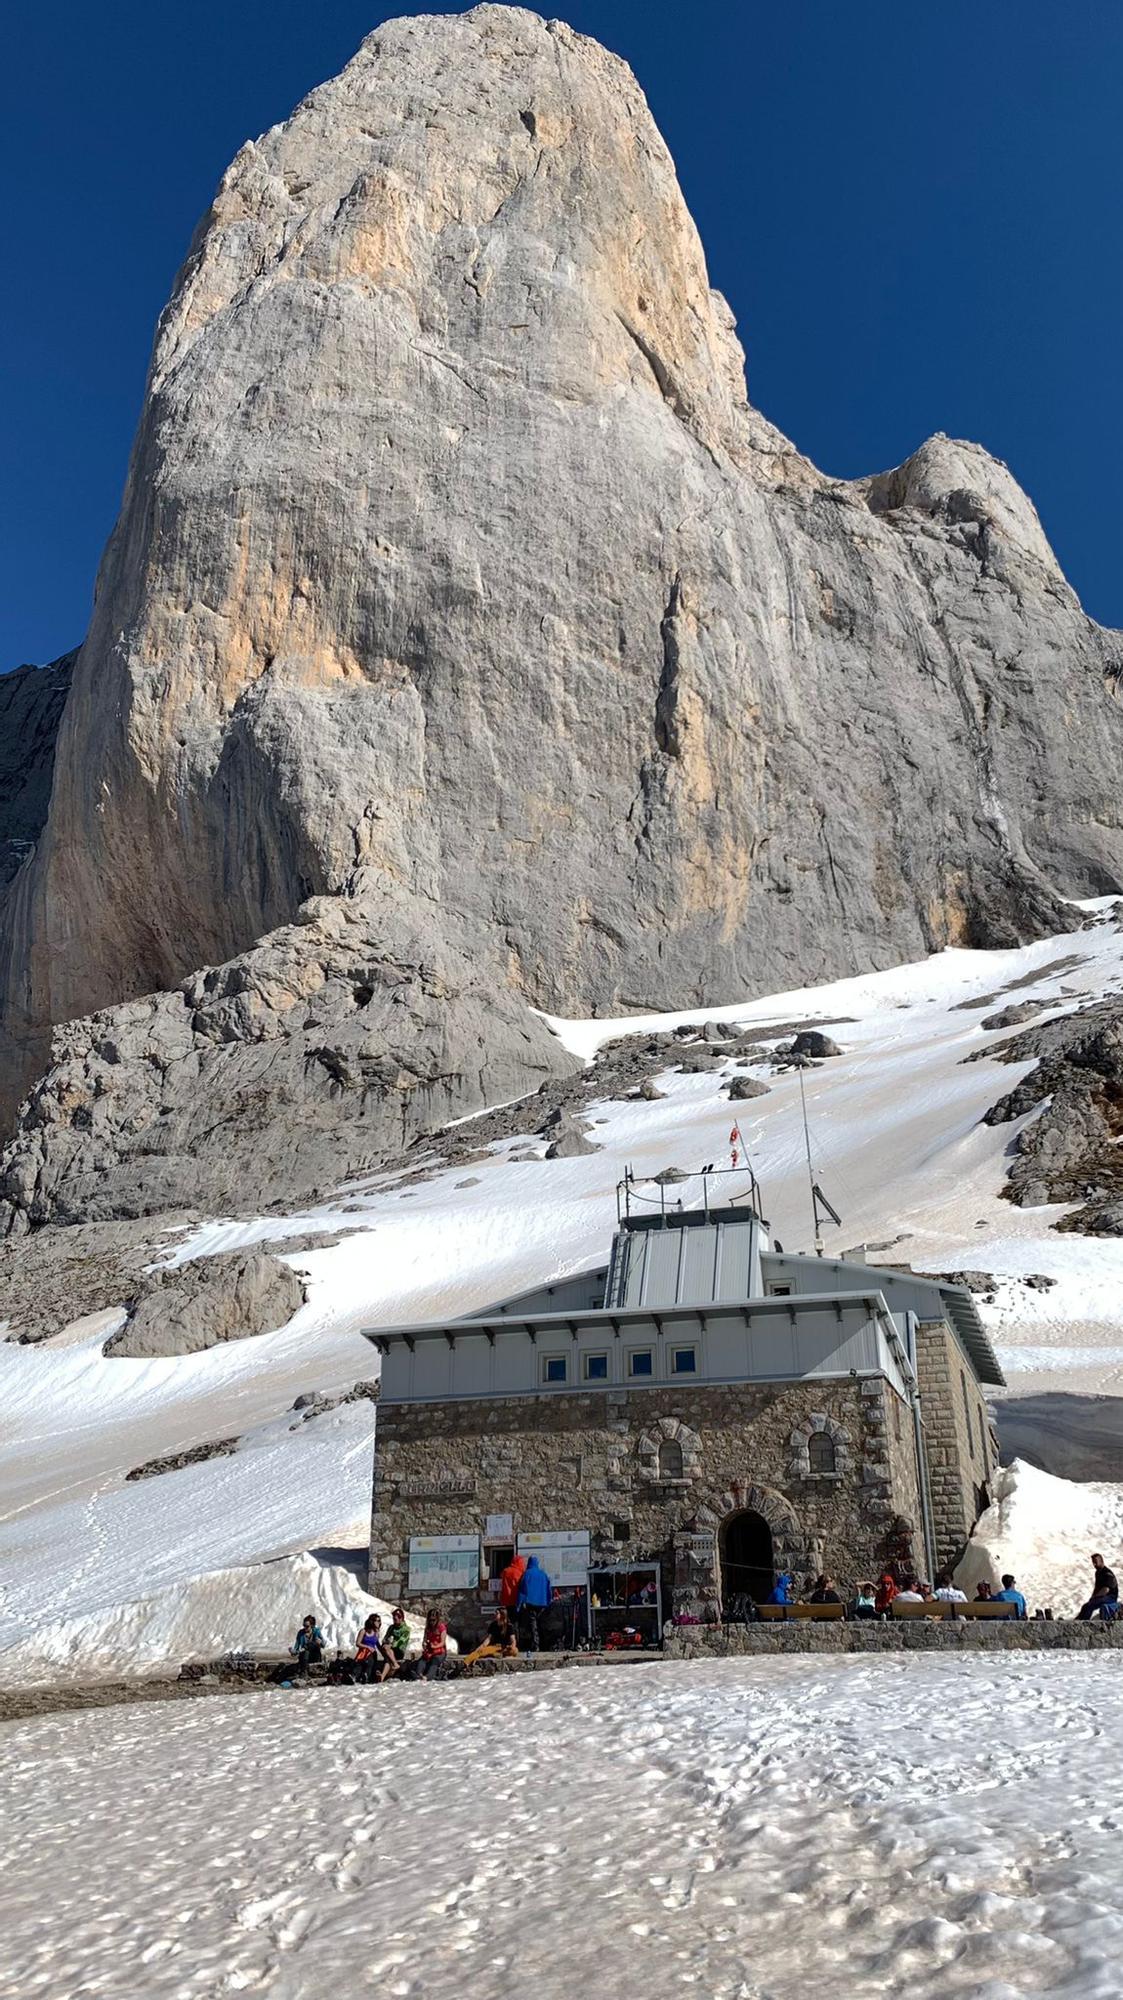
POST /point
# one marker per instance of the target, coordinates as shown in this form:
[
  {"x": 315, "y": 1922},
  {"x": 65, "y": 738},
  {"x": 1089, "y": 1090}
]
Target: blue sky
[{"x": 914, "y": 212}]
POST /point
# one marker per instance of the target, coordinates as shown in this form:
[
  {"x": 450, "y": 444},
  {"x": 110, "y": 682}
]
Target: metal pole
[{"x": 810, "y": 1169}]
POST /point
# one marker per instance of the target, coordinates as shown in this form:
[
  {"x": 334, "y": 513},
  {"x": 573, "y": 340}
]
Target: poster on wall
[
  {"x": 562, "y": 1552},
  {"x": 444, "y": 1562}
]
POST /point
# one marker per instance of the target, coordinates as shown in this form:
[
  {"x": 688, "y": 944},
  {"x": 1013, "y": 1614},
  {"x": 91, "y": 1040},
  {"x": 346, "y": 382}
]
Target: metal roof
[{"x": 964, "y": 1316}]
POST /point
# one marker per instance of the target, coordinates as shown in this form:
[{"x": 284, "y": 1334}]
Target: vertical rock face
[
  {"x": 31, "y": 705},
  {"x": 458, "y": 587}
]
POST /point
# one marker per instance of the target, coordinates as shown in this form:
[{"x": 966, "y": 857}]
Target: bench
[
  {"x": 783, "y": 1611},
  {"x": 939, "y": 1607}
]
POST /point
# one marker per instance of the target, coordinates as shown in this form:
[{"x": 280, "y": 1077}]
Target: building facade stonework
[
  {"x": 591, "y": 1461},
  {"x": 961, "y": 1448}
]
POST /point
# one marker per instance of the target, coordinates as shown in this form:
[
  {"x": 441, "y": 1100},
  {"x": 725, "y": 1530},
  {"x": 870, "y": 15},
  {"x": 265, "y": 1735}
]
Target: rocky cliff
[
  {"x": 31, "y": 704},
  {"x": 468, "y": 644}
]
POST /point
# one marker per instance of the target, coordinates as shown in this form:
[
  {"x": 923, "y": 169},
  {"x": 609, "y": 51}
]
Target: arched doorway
[{"x": 747, "y": 1563}]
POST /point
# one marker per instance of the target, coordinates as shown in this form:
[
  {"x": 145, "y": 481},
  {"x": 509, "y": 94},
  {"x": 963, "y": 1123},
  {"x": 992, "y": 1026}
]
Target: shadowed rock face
[
  {"x": 31, "y": 705},
  {"x": 458, "y": 588}
]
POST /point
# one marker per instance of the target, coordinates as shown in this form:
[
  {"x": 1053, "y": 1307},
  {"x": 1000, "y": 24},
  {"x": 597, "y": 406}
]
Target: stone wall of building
[
  {"x": 904, "y": 1538},
  {"x": 592, "y": 1460},
  {"x": 961, "y": 1450}
]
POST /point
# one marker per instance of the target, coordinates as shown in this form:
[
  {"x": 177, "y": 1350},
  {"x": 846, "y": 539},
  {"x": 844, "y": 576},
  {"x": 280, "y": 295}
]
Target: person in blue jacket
[
  {"x": 1009, "y": 1594},
  {"x": 533, "y": 1599},
  {"x": 781, "y": 1592}
]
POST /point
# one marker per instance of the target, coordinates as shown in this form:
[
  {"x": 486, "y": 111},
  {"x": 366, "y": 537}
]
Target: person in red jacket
[
  {"x": 886, "y": 1592},
  {"x": 509, "y": 1582}
]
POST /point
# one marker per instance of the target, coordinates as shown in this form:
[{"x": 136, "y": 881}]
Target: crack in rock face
[{"x": 468, "y": 644}]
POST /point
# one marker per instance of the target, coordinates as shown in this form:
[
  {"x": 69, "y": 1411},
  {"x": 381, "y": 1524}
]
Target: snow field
[
  {"x": 897, "y": 1144},
  {"x": 738, "y": 1830}
]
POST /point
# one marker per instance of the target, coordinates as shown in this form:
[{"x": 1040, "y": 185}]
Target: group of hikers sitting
[
  {"x": 876, "y": 1600},
  {"x": 518, "y": 1621},
  {"x": 524, "y": 1598},
  {"x": 378, "y": 1655}
]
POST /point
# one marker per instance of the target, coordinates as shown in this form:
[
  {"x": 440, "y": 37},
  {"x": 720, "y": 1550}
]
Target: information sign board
[
  {"x": 444, "y": 1562},
  {"x": 562, "y": 1552}
]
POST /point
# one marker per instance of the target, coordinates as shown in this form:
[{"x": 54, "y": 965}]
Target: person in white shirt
[
  {"x": 946, "y": 1590},
  {"x": 910, "y": 1594}
]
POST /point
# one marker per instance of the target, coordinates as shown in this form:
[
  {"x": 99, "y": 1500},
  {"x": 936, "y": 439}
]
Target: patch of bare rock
[
  {"x": 232, "y": 1296},
  {"x": 1071, "y": 1151},
  {"x": 173, "y": 1461},
  {"x": 56, "y": 1276}
]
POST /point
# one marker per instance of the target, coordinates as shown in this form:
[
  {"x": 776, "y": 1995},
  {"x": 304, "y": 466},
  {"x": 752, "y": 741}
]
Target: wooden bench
[
  {"x": 773, "y": 1612},
  {"x": 939, "y": 1607}
]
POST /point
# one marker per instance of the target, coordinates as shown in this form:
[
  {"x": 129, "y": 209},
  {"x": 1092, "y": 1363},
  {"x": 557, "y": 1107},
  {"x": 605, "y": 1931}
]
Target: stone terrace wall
[{"x": 913, "y": 1635}]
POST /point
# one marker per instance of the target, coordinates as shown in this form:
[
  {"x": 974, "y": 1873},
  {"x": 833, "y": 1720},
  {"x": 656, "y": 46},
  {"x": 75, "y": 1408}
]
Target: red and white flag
[{"x": 735, "y": 1142}]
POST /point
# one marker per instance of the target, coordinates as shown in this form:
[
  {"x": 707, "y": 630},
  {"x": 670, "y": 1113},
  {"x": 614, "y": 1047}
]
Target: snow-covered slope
[
  {"x": 898, "y": 1145},
  {"x": 1044, "y": 1531},
  {"x": 257, "y": 1608},
  {"x": 908, "y": 1826}
]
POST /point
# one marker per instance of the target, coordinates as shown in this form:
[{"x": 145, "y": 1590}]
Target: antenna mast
[
  {"x": 818, "y": 1198},
  {"x": 810, "y": 1168}
]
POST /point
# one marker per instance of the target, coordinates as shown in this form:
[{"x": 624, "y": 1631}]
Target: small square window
[
  {"x": 684, "y": 1361},
  {"x": 641, "y": 1361},
  {"x": 596, "y": 1367},
  {"x": 555, "y": 1367}
]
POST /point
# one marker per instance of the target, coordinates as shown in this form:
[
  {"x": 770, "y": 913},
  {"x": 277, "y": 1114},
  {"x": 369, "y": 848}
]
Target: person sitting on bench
[
  {"x": 781, "y": 1592},
  {"x": 1105, "y": 1593},
  {"x": 947, "y": 1591},
  {"x": 911, "y": 1594},
  {"x": 1010, "y": 1595},
  {"x": 886, "y": 1592},
  {"x": 863, "y": 1604},
  {"x": 499, "y": 1644},
  {"x": 824, "y": 1591}
]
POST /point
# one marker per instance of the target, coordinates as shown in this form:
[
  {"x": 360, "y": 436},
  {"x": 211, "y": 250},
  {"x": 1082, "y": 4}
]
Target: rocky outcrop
[
  {"x": 174, "y": 1461},
  {"x": 464, "y": 619},
  {"x": 268, "y": 1078},
  {"x": 743, "y": 1088},
  {"x": 1072, "y": 1151},
  {"x": 198, "y": 1305},
  {"x": 812, "y": 1042}
]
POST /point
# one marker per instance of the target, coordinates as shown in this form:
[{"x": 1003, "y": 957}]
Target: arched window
[
  {"x": 670, "y": 1459},
  {"x": 821, "y": 1452}
]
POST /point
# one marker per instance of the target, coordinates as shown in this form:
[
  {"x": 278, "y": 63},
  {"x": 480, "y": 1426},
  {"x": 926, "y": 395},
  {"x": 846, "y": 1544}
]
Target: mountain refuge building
[{"x": 669, "y": 1432}]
